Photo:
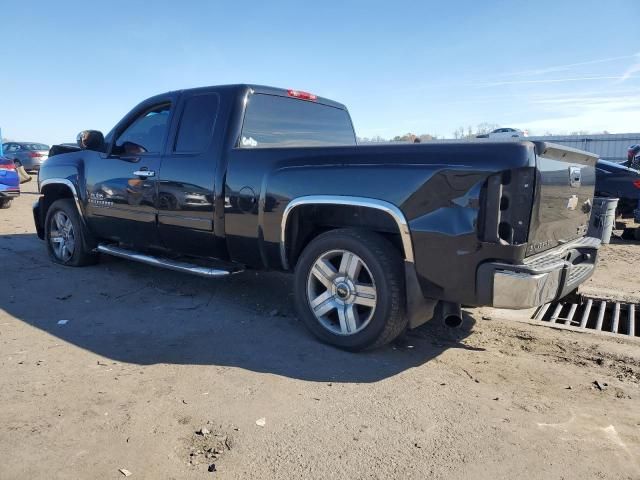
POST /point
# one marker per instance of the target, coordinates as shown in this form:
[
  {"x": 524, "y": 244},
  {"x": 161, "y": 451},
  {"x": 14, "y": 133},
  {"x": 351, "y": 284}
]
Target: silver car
[{"x": 28, "y": 154}]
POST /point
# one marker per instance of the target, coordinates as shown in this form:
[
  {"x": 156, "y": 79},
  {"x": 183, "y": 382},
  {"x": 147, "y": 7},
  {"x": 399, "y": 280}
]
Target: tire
[
  {"x": 5, "y": 203},
  {"x": 636, "y": 234},
  {"x": 355, "y": 280},
  {"x": 63, "y": 222}
]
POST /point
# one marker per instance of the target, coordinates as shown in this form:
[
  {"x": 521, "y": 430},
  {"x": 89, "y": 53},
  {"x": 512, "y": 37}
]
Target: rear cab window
[{"x": 272, "y": 121}]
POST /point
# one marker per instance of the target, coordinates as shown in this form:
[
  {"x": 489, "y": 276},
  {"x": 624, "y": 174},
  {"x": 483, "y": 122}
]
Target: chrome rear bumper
[{"x": 539, "y": 279}]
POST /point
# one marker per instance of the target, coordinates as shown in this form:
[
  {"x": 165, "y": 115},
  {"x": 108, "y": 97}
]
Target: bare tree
[
  {"x": 458, "y": 133},
  {"x": 486, "y": 127}
]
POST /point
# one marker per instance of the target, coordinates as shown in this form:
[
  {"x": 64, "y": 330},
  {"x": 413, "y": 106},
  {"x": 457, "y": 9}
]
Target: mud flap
[
  {"x": 419, "y": 309},
  {"x": 37, "y": 219}
]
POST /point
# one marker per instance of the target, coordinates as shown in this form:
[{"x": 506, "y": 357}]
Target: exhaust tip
[
  {"x": 453, "y": 321},
  {"x": 451, "y": 314}
]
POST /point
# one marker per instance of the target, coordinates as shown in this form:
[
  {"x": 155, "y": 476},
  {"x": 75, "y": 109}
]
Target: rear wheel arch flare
[{"x": 391, "y": 213}]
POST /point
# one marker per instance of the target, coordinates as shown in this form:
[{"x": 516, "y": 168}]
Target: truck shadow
[{"x": 132, "y": 313}]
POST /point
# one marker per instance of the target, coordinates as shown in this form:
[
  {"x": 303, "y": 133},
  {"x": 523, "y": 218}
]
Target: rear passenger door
[{"x": 187, "y": 177}]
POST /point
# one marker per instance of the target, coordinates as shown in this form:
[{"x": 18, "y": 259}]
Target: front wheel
[
  {"x": 349, "y": 289},
  {"x": 65, "y": 235},
  {"x": 5, "y": 203}
]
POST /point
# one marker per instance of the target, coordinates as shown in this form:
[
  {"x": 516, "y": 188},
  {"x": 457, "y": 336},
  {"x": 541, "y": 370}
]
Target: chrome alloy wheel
[
  {"x": 62, "y": 236},
  {"x": 341, "y": 292}
]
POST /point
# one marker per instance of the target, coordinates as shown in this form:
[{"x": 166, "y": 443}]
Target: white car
[{"x": 504, "y": 133}]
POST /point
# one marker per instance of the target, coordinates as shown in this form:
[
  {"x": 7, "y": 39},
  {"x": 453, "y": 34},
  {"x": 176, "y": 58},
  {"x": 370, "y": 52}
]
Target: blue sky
[{"x": 421, "y": 67}]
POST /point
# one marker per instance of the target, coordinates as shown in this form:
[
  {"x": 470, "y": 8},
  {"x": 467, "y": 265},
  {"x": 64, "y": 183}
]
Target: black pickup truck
[{"x": 212, "y": 181}]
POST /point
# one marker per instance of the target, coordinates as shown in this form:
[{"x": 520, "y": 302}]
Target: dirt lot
[{"x": 148, "y": 357}]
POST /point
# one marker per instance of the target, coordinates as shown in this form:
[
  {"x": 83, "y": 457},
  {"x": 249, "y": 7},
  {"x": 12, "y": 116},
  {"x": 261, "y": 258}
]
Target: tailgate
[{"x": 565, "y": 182}]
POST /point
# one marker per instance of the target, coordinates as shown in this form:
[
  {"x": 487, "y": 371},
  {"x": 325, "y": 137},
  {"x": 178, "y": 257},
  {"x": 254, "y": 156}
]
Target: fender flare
[
  {"x": 66, "y": 182},
  {"x": 389, "y": 208}
]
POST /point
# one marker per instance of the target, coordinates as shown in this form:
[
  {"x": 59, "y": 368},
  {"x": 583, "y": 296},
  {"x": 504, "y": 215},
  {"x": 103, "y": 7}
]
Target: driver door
[{"x": 122, "y": 187}]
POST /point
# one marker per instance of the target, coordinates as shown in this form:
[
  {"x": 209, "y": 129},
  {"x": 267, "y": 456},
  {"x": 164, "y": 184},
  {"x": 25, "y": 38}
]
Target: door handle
[{"x": 144, "y": 173}]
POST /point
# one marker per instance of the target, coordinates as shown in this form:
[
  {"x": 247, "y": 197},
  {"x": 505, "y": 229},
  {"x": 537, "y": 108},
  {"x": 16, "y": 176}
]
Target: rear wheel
[
  {"x": 5, "y": 203},
  {"x": 349, "y": 289},
  {"x": 65, "y": 235}
]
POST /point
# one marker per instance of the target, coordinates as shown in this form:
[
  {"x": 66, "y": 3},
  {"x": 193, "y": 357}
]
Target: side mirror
[{"x": 91, "y": 140}]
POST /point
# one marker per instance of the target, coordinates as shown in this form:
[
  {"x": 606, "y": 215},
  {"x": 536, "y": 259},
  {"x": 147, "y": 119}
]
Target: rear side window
[
  {"x": 196, "y": 124},
  {"x": 271, "y": 121}
]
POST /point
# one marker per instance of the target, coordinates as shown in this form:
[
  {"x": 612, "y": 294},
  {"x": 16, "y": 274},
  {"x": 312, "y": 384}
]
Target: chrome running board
[{"x": 170, "y": 264}]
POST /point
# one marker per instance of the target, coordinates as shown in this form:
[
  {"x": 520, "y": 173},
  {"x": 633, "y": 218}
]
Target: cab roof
[{"x": 252, "y": 88}]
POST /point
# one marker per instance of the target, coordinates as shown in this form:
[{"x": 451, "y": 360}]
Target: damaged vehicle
[{"x": 380, "y": 238}]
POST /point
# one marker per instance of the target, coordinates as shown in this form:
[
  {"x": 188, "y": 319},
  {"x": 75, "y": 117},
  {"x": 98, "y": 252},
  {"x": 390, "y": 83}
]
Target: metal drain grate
[{"x": 594, "y": 314}]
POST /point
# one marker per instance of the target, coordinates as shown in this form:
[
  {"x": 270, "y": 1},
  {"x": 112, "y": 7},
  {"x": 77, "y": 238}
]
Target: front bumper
[{"x": 539, "y": 279}]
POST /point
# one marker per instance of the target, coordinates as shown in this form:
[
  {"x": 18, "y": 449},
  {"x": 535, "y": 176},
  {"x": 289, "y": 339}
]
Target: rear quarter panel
[
  {"x": 436, "y": 186},
  {"x": 9, "y": 181}
]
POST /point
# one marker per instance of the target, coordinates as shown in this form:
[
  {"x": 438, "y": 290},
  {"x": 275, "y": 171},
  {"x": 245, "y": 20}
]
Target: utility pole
[{"x": 1, "y": 152}]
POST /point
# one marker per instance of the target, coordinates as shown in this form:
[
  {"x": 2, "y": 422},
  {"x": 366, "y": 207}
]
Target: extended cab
[{"x": 215, "y": 180}]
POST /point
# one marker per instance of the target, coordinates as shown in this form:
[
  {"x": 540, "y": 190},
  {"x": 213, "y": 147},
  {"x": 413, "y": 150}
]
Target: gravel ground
[{"x": 147, "y": 358}]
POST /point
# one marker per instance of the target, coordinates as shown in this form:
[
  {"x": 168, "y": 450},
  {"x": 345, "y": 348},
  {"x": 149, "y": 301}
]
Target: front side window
[
  {"x": 196, "y": 124},
  {"x": 272, "y": 121},
  {"x": 146, "y": 133}
]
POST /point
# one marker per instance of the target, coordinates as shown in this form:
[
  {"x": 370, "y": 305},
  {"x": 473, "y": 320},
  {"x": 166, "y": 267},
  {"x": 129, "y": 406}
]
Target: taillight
[
  {"x": 636, "y": 183},
  {"x": 35, "y": 154},
  {"x": 505, "y": 206},
  {"x": 7, "y": 166},
  {"x": 302, "y": 95}
]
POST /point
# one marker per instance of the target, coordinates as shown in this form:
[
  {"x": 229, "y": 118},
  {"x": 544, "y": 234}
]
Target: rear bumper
[
  {"x": 9, "y": 192},
  {"x": 539, "y": 279},
  {"x": 31, "y": 164}
]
